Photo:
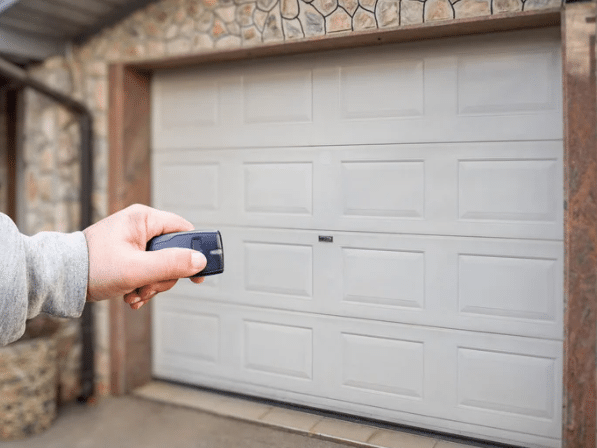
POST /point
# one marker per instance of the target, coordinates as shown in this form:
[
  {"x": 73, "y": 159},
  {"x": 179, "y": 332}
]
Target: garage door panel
[
  {"x": 452, "y": 374},
  {"x": 509, "y": 189},
  {"x": 493, "y": 381},
  {"x": 502, "y": 88},
  {"x": 477, "y": 93},
  {"x": 496, "y": 381},
  {"x": 525, "y": 392},
  {"x": 490, "y": 83},
  {"x": 523, "y": 288},
  {"x": 500, "y": 286},
  {"x": 386, "y": 90},
  {"x": 278, "y": 349},
  {"x": 282, "y": 269},
  {"x": 198, "y": 327},
  {"x": 278, "y": 96},
  {"x": 190, "y": 340},
  {"x": 202, "y": 178},
  {"x": 384, "y": 277},
  {"x": 464, "y": 283},
  {"x": 478, "y": 388},
  {"x": 187, "y": 100},
  {"x": 191, "y": 186},
  {"x": 390, "y": 366},
  {"x": 279, "y": 188},
  {"x": 270, "y": 269},
  {"x": 384, "y": 188}
]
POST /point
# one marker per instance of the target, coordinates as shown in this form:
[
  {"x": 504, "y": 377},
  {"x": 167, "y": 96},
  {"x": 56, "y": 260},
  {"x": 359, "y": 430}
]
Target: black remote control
[{"x": 208, "y": 242}]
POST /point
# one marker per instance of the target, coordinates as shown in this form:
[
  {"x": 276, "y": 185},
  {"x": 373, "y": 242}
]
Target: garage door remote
[{"x": 208, "y": 242}]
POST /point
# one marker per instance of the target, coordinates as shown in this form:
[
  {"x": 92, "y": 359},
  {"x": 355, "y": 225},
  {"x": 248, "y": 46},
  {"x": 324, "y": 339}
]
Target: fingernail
[{"x": 198, "y": 260}]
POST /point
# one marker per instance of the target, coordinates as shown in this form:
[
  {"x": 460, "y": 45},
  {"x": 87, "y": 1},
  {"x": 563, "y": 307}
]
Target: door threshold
[{"x": 307, "y": 423}]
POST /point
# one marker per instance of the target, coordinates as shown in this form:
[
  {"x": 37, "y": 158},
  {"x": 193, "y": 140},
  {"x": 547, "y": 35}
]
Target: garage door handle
[{"x": 326, "y": 239}]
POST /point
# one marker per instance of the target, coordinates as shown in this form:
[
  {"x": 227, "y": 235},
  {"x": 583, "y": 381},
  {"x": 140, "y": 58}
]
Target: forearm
[{"x": 44, "y": 273}]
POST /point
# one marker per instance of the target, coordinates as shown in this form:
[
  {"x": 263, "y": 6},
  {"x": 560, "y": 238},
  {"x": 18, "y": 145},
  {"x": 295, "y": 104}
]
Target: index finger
[{"x": 159, "y": 222}]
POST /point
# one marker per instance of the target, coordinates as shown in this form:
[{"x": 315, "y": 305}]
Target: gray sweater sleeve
[{"x": 45, "y": 273}]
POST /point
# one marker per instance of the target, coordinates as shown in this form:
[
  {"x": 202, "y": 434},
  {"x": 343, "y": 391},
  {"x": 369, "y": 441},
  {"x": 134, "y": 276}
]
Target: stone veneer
[
  {"x": 49, "y": 190},
  {"x": 174, "y": 28},
  {"x": 27, "y": 387}
]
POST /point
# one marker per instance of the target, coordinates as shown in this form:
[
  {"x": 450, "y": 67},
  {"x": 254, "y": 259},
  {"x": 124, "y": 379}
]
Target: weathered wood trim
[
  {"x": 580, "y": 224},
  {"x": 129, "y": 183}
]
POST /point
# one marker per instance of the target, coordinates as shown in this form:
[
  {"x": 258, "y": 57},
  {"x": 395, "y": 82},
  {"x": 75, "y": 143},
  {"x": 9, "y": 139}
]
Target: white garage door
[{"x": 435, "y": 169}]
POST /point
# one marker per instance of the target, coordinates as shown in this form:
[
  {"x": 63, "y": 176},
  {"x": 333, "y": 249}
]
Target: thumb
[{"x": 168, "y": 264}]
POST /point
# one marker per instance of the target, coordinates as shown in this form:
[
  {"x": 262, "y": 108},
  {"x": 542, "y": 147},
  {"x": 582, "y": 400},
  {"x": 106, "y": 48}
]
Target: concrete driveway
[{"x": 133, "y": 422}]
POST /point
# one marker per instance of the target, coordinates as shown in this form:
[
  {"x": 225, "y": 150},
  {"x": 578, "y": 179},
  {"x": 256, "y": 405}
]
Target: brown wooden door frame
[{"x": 129, "y": 182}]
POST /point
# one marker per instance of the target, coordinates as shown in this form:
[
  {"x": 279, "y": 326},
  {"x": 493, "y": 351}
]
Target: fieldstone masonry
[
  {"x": 181, "y": 27},
  {"x": 27, "y": 387}
]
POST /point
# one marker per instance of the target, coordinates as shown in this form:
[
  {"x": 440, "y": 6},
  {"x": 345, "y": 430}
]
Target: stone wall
[
  {"x": 49, "y": 180},
  {"x": 50, "y": 157},
  {"x": 27, "y": 387},
  {"x": 181, "y": 27}
]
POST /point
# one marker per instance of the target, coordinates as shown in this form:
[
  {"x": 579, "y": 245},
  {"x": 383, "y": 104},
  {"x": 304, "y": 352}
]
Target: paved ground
[{"x": 134, "y": 423}]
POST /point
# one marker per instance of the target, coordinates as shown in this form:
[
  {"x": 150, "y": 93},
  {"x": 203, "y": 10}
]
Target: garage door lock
[{"x": 326, "y": 239}]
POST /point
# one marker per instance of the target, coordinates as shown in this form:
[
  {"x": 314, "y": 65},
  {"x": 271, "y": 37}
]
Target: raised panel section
[
  {"x": 382, "y": 90},
  {"x": 384, "y": 188},
  {"x": 506, "y": 383},
  {"x": 189, "y": 99},
  {"x": 508, "y": 287},
  {"x": 280, "y": 349},
  {"x": 194, "y": 185},
  {"x": 275, "y": 97},
  {"x": 384, "y": 277},
  {"x": 507, "y": 82},
  {"x": 279, "y": 268},
  {"x": 384, "y": 365},
  {"x": 200, "y": 333},
  {"x": 279, "y": 187},
  {"x": 508, "y": 190}
]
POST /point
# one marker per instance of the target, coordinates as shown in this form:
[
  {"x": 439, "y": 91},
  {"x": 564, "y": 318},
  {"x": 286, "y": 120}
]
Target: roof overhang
[
  {"x": 28, "y": 46},
  {"x": 33, "y": 30}
]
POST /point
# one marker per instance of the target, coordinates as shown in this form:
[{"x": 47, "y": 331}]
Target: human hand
[{"x": 119, "y": 265}]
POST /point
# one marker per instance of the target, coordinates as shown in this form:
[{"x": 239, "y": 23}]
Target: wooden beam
[{"x": 580, "y": 225}]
